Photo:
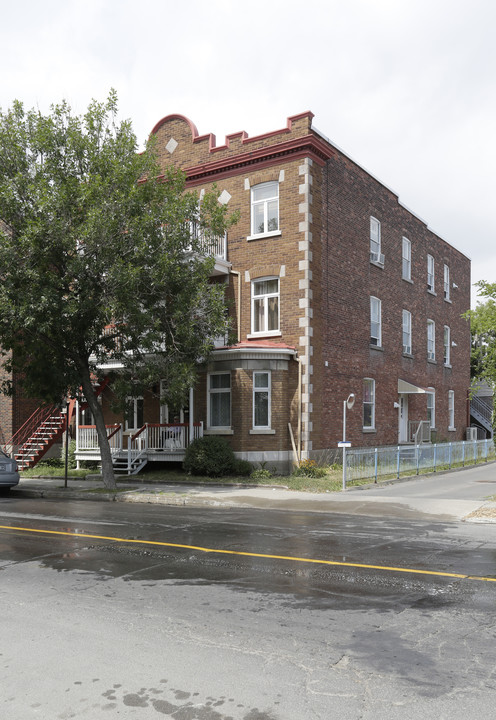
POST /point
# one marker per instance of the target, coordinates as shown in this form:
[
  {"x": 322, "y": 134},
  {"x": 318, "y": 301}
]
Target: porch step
[{"x": 121, "y": 466}]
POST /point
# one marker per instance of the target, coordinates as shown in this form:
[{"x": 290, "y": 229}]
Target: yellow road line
[{"x": 315, "y": 561}]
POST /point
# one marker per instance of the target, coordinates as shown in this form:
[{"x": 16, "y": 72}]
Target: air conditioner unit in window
[
  {"x": 471, "y": 433},
  {"x": 377, "y": 258}
]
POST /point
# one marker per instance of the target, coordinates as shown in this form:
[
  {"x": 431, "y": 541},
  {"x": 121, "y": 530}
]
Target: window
[
  {"x": 446, "y": 283},
  {"x": 431, "y": 408},
  {"x": 219, "y": 400},
  {"x": 265, "y": 208},
  {"x": 406, "y": 271},
  {"x": 261, "y": 399},
  {"x": 369, "y": 404},
  {"x": 431, "y": 340},
  {"x": 447, "y": 345},
  {"x": 265, "y": 306},
  {"x": 375, "y": 241},
  {"x": 430, "y": 273},
  {"x": 451, "y": 409},
  {"x": 407, "y": 332},
  {"x": 134, "y": 413},
  {"x": 375, "y": 322}
]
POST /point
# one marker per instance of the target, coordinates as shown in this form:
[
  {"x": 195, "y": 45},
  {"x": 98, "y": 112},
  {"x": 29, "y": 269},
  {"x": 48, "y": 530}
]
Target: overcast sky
[{"x": 407, "y": 88}]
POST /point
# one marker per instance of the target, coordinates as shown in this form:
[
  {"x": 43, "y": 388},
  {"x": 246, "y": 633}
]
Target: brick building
[{"x": 333, "y": 288}]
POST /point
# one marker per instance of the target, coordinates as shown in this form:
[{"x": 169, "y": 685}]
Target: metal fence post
[
  {"x": 417, "y": 457},
  {"x": 463, "y": 453},
  {"x": 449, "y": 457},
  {"x": 435, "y": 453},
  {"x": 375, "y": 464},
  {"x": 398, "y": 463}
]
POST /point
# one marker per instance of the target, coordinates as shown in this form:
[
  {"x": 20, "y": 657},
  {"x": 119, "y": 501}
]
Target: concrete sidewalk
[{"x": 457, "y": 495}]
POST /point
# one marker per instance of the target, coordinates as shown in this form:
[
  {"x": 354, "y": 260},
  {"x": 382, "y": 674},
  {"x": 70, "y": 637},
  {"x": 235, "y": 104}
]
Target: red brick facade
[{"x": 321, "y": 258}]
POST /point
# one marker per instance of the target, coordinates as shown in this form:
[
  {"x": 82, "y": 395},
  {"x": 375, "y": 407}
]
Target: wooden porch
[{"x": 132, "y": 450}]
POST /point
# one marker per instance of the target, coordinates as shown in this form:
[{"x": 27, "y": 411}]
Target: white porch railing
[
  {"x": 87, "y": 438},
  {"x": 165, "y": 436},
  {"x": 159, "y": 437}
]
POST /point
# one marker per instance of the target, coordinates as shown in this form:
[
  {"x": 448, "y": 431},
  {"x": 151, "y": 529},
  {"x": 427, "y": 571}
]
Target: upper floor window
[
  {"x": 265, "y": 208},
  {"x": 446, "y": 283},
  {"x": 406, "y": 250},
  {"x": 407, "y": 332},
  {"x": 219, "y": 400},
  {"x": 447, "y": 345},
  {"x": 261, "y": 399},
  {"x": 431, "y": 340},
  {"x": 375, "y": 241},
  {"x": 369, "y": 403},
  {"x": 375, "y": 322},
  {"x": 265, "y": 306},
  {"x": 430, "y": 273}
]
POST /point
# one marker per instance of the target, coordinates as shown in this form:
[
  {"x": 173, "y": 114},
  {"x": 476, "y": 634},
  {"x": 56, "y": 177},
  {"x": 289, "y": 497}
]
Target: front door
[{"x": 403, "y": 419}]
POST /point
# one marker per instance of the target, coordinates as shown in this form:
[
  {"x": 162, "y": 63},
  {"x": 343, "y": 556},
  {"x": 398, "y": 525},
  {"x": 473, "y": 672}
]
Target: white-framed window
[
  {"x": 265, "y": 208},
  {"x": 406, "y": 254},
  {"x": 134, "y": 413},
  {"x": 219, "y": 400},
  {"x": 431, "y": 340},
  {"x": 407, "y": 332},
  {"x": 375, "y": 322},
  {"x": 447, "y": 345},
  {"x": 261, "y": 399},
  {"x": 375, "y": 241},
  {"x": 368, "y": 404},
  {"x": 430, "y": 273},
  {"x": 451, "y": 410},
  {"x": 265, "y": 306},
  {"x": 446, "y": 283},
  {"x": 431, "y": 408}
]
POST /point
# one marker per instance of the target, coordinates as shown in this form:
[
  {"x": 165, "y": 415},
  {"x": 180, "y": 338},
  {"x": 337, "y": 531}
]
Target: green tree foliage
[
  {"x": 99, "y": 261},
  {"x": 483, "y": 327}
]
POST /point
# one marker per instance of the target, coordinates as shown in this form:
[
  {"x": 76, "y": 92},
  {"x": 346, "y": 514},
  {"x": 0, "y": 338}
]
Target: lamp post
[{"x": 347, "y": 405}]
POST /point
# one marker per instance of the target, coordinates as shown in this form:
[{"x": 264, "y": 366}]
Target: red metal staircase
[
  {"x": 43, "y": 429},
  {"x": 36, "y": 436}
]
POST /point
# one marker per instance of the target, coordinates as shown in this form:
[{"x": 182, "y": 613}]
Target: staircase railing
[
  {"x": 482, "y": 412},
  {"x": 21, "y": 436},
  {"x": 419, "y": 431}
]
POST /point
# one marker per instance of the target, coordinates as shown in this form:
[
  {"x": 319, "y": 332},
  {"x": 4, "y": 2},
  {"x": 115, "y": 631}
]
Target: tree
[
  {"x": 483, "y": 327},
  {"x": 101, "y": 258}
]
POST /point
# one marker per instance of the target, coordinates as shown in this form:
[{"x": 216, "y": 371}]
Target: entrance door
[{"x": 403, "y": 419}]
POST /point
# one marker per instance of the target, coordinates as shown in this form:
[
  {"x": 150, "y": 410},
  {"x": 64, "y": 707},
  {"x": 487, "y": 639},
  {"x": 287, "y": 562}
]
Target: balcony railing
[{"x": 215, "y": 245}]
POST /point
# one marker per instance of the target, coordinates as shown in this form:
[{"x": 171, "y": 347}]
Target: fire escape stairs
[
  {"x": 41, "y": 439},
  {"x": 43, "y": 429},
  {"x": 481, "y": 412}
]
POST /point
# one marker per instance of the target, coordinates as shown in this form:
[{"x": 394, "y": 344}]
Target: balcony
[{"x": 213, "y": 245}]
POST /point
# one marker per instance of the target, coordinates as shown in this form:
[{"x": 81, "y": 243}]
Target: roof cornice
[{"x": 310, "y": 145}]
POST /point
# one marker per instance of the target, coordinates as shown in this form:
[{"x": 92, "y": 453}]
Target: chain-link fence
[{"x": 393, "y": 462}]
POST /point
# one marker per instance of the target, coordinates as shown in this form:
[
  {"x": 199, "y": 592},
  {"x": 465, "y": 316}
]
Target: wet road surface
[{"x": 93, "y": 624}]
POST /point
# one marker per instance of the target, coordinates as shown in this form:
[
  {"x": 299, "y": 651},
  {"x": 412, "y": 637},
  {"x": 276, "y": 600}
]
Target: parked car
[{"x": 9, "y": 475}]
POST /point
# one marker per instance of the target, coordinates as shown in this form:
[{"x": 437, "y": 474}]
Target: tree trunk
[{"x": 95, "y": 407}]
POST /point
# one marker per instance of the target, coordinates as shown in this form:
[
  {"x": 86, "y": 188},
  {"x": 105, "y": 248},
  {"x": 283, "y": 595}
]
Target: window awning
[{"x": 405, "y": 387}]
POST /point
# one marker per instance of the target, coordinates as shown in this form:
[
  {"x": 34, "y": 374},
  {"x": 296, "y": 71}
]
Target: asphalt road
[{"x": 144, "y": 611}]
